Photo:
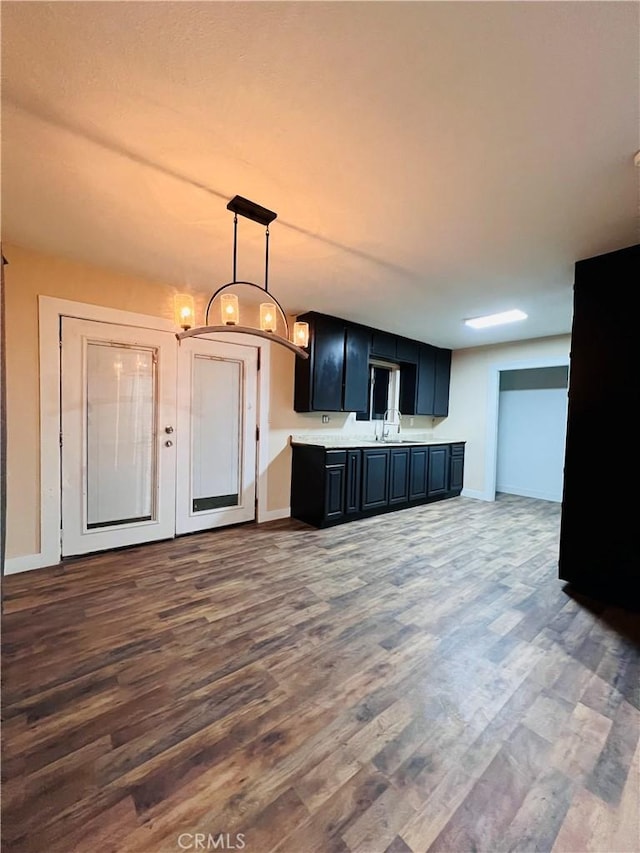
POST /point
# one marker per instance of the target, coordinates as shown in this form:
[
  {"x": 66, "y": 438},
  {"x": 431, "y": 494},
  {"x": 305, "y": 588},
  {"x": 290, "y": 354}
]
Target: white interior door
[
  {"x": 118, "y": 444},
  {"x": 217, "y": 402}
]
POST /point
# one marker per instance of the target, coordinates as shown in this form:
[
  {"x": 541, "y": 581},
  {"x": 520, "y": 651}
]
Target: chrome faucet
[{"x": 387, "y": 424}]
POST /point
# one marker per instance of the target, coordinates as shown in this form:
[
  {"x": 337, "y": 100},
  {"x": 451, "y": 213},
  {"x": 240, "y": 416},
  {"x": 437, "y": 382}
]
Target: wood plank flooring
[{"x": 413, "y": 682}]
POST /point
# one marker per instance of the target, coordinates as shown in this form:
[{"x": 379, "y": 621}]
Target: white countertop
[{"x": 340, "y": 441}]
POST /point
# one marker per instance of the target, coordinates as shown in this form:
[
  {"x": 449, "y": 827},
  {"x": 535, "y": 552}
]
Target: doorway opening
[
  {"x": 493, "y": 410},
  {"x": 532, "y": 421}
]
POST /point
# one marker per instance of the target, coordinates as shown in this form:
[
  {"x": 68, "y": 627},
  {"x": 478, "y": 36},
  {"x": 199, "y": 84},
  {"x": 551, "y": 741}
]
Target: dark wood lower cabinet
[
  {"x": 438, "y": 478},
  {"x": 353, "y": 484},
  {"x": 375, "y": 478},
  {"x": 456, "y": 467},
  {"x": 399, "y": 475},
  {"x": 418, "y": 473},
  {"x": 333, "y": 486},
  {"x": 334, "y": 491}
]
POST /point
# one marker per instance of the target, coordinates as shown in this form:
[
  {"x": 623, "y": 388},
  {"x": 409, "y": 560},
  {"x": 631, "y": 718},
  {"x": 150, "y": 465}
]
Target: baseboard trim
[
  {"x": 528, "y": 493},
  {"x": 15, "y": 565},
  {"x": 474, "y": 493},
  {"x": 274, "y": 515}
]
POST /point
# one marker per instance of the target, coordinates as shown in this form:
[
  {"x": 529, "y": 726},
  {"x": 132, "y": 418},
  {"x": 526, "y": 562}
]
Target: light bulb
[
  {"x": 184, "y": 311},
  {"x": 268, "y": 317},
  {"x": 301, "y": 334},
  {"x": 230, "y": 309}
]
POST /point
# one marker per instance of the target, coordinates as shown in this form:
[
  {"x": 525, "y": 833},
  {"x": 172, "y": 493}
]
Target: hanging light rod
[{"x": 237, "y": 301}]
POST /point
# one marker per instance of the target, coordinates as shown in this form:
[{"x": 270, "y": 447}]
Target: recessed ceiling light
[{"x": 496, "y": 319}]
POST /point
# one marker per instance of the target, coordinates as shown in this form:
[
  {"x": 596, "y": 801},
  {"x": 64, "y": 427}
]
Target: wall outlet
[
  {"x": 325, "y": 419},
  {"x": 410, "y": 422}
]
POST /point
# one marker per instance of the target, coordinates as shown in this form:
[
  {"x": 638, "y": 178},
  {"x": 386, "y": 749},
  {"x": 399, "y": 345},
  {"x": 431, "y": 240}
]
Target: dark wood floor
[{"x": 411, "y": 682}]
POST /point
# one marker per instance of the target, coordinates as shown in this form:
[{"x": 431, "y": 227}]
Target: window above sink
[{"x": 384, "y": 390}]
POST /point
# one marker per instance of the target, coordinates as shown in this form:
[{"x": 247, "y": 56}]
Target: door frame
[{"x": 50, "y": 311}]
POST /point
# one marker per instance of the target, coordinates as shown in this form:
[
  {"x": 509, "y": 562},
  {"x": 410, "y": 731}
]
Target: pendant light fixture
[{"x": 245, "y": 307}]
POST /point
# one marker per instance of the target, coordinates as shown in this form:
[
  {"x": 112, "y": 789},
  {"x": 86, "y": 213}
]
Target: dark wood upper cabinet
[
  {"x": 319, "y": 379},
  {"x": 441, "y": 383},
  {"x": 384, "y": 345},
  {"x": 407, "y": 351},
  {"x": 356, "y": 368},
  {"x": 328, "y": 365},
  {"x": 335, "y": 378},
  {"x": 408, "y": 388},
  {"x": 425, "y": 394}
]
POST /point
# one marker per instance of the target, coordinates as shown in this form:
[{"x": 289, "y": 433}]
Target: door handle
[{"x": 168, "y": 429}]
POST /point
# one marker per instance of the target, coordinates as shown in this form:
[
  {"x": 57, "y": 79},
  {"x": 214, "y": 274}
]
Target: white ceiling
[{"x": 428, "y": 161}]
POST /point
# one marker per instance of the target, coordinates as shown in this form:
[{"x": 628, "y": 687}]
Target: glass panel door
[
  {"x": 118, "y": 453},
  {"x": 217, "y": 406}
]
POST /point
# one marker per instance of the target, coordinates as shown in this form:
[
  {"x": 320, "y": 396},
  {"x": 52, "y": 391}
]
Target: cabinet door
[
  {"x": 384, "y": 345},
  {"x": 375, "y": 478},
  {"x": 438, "y": 478},
  {"x": 441, "y": 383},
  {"x": 408, "y": 388},
  {"x": 354, "y": 467},
  {"x": 334, "y": 491},
  {"x": 407, "y": 351},
  {"x": 418, "y": 473},
  {"x": 399, "y": 476},
  {"x": 328, "y": 365},
  {"x": 426, "y": 380},
  {"x": 356, "y": 369},
  {"x": 457, "y": 471}
]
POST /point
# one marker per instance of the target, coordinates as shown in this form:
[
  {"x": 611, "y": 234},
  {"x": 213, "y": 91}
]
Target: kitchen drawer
[
  {"x": 336, "y": 457},
  {"x": 457, "y": 449}
]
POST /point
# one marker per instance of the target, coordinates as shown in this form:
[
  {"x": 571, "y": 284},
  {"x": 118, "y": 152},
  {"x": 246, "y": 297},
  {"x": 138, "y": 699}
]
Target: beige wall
[{"x": 30, "y": 274}]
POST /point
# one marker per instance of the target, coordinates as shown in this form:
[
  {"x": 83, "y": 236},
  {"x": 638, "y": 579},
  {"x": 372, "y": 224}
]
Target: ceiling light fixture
[
  {"x": 245, "y": 307},
  {"x": 496, "y": 319}
]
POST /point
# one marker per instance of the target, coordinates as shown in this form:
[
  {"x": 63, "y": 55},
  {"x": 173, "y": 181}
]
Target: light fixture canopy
[
  {"x": 248, "y": 308},
  {"x": 496, "y": 319}
]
